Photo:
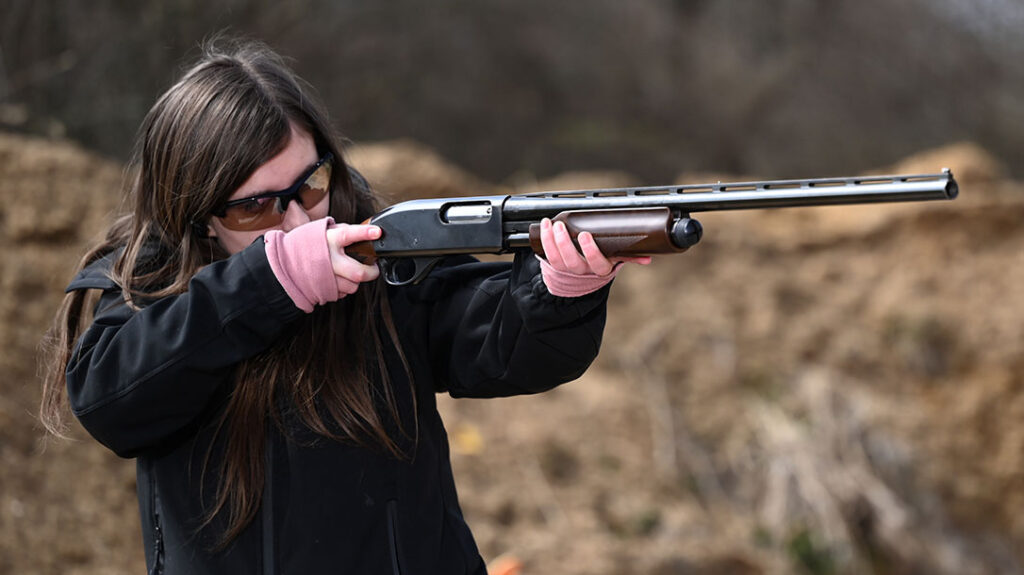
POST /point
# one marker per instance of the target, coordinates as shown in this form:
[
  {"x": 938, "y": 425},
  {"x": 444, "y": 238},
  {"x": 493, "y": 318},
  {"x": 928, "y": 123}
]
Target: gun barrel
[
  {"x": 741, "y": 195},
  {"x": 420, "y": 231}
]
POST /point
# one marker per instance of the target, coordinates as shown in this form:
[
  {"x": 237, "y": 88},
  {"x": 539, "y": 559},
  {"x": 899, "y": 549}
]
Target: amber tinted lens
[
  {"x": 261, "y": 212},
  {"x": 255, "y": 214},
  {"x": 316, "y": 186}
]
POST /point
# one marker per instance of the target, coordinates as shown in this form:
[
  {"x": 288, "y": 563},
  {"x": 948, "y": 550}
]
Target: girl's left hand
[{"x": 561, "y": 253}]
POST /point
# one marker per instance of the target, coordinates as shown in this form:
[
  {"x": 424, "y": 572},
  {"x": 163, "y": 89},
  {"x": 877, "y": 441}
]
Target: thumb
[{"x": 341, "y": 235}]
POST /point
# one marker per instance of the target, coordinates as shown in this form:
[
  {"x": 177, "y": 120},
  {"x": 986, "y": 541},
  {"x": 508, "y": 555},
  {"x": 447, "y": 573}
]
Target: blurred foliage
[
  {"x": 808, "y": 554},
  {"x": 653, "y": 87}
]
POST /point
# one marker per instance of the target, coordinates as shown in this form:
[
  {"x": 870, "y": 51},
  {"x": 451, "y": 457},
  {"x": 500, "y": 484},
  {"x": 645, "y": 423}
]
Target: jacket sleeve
[
  {"x": 138, "y": 377},
  {"x": 496, "y": 331}
]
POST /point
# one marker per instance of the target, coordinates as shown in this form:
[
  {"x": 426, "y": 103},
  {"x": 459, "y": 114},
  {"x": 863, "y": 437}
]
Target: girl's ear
[{"x": 202, "y": 231}]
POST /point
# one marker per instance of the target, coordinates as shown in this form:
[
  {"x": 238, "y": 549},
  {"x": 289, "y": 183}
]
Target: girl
[{"x": 277, "y": 396}]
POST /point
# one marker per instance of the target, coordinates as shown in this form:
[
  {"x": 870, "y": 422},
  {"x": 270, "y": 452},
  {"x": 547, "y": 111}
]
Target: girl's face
[{"x": 278, "y": 173}]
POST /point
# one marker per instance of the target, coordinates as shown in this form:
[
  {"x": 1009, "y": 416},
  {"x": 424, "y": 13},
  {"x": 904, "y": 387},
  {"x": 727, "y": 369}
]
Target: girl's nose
[{"x": 294, "y": 216}]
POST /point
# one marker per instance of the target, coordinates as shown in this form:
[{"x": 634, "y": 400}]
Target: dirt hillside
[
  {"x": 65, "y": 507},
  {"x": 833, "y": 390}
]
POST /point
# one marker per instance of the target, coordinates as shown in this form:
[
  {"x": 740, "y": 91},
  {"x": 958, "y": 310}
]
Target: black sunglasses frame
[{"x": 284, "y": 196}]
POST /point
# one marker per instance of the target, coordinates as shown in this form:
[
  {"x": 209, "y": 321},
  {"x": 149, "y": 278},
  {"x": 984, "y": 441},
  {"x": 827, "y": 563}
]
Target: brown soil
[{"x": 833, "y": 390}]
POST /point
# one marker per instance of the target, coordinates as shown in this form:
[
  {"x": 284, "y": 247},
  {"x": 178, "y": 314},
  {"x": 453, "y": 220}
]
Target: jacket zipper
[
  {"x": 393, "y": 536},
  {"x": 158, "y": 534},
  {"x": 267, "y": 509}
]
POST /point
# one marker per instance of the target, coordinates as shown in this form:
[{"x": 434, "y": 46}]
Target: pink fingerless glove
[
  {"x": 301, "y": 261},
  {"x": 567, "y": 284}
]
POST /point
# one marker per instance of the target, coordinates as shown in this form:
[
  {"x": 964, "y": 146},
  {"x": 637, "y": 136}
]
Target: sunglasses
[{"x": 267, "y": 210}]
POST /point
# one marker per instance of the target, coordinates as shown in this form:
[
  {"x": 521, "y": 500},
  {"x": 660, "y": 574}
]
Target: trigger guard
[{"x": 406, "y": 271}]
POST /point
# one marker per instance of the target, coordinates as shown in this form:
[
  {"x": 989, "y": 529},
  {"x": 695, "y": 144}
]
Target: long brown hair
[{"x": 228, "y": 115}]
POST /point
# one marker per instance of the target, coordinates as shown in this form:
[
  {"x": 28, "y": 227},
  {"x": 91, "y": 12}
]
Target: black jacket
[{"x": 148, "y": 384}]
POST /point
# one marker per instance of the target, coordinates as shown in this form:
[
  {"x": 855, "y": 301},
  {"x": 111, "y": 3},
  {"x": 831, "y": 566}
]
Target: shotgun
[{"x": 623, "y": 221}]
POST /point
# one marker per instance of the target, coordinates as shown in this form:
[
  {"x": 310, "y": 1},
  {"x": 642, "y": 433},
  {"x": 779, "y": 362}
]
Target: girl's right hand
[{"x": 349, "y": 273}]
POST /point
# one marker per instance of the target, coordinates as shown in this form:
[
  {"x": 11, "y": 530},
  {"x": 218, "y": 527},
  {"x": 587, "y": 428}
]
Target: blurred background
[
  {"x": 790, "y": 87},
  {"x": 820, "y": 391}
]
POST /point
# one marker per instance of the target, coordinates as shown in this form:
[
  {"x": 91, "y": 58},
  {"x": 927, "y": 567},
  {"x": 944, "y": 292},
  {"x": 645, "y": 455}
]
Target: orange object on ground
[{"x": 505, "y": 565}]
